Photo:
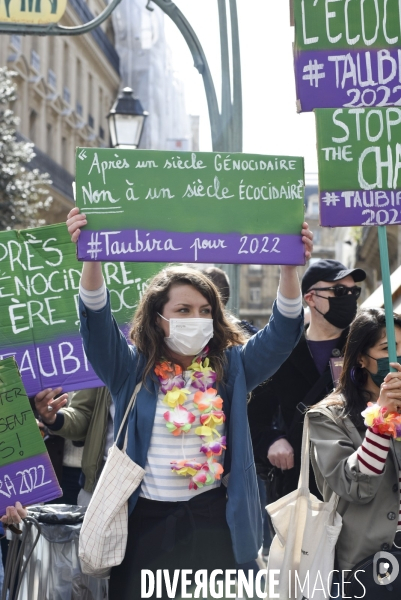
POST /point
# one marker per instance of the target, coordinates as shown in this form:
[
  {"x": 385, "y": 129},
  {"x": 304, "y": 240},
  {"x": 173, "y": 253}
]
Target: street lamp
[{"x": 126, "y": 120}]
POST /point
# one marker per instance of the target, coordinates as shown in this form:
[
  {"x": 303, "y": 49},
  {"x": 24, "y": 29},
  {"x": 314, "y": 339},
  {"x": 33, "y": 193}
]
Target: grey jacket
[
  {"x": 368, "y": 504},
  {"x": 85, "y": 419}
]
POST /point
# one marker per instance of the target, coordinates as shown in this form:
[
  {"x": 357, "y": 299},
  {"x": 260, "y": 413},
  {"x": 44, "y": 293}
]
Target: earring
[{"x": 353, "y": 374}]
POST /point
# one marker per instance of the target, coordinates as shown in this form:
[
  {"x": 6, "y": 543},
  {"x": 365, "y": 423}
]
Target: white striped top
[
  {"x": 96, "y": 300},
  {"x": 372, "y": 455},
  {"x": 160, "y": 483}
]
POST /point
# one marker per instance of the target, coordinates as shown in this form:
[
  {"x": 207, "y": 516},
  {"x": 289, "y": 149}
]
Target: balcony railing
[
  {"x": 35, "y": 61},
  {"x": 52, "y": 79},
  {"x": 66, "y": 95},
  {"x": 16, "y": 42}
]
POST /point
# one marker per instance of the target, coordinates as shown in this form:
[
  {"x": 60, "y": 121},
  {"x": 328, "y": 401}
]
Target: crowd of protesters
[{"x": 243, "y": 394}]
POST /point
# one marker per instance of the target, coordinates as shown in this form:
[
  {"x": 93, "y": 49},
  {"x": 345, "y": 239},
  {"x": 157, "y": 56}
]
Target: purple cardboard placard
[
  {"x": 360, "y": 207},
  {"x": 347, "y": 78},
  {"x": 168, "y": 246},
  {"x": 59, "y": 362},
  {"x": 28, "y": 481}
]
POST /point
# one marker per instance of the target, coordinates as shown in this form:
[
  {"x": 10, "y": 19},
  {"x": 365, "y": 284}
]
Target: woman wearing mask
[
  {"x": 356, "y": 455},
  {"x": 189, "y": 427}
]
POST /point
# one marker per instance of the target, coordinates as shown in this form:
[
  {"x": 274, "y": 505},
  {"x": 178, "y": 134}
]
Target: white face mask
[{"x": 188, "y": 336}]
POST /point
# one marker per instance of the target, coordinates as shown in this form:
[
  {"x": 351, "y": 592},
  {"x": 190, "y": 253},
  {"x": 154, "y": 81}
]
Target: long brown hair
[{"x": 148, "y": 336}]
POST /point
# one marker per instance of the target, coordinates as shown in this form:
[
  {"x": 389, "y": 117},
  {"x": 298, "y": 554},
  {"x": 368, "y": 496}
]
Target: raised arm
[
  {"x": 92, "y": 276},
  {"x": 289, "y": 282},
  {"x": 106, "y": 348},
  {"x": 266, "y": 351}
]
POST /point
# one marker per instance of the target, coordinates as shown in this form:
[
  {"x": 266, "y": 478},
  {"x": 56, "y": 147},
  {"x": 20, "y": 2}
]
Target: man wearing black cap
[{"x": 329, "y": 290}]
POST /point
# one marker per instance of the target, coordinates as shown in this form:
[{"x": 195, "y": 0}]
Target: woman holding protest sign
[
  {"x": 193, "y": 443},
  {"x": 355, "y": 434}
]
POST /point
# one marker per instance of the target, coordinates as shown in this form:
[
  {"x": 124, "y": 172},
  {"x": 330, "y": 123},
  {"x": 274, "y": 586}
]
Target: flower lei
[
  {"x": 179, "y": 420},
  {"x": 379, "y": 422}
]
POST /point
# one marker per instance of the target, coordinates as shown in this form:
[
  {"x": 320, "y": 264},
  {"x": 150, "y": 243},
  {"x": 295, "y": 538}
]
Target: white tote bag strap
[
  {"x": 305, "y": 460},
  {"x": 304, "y": 474},
  {"x": 131, "y": 405}
]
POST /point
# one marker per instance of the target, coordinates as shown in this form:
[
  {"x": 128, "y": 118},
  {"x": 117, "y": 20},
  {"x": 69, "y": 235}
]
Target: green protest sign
[
  {"x": 347, "y": 54},
  {"x": 144, "y": 205},
  {"x": 26, "y": 473},
  {"x": 359, "y": 157},
  {"x": 39, "y": 316},
  {"x": 344, "y": 24}
]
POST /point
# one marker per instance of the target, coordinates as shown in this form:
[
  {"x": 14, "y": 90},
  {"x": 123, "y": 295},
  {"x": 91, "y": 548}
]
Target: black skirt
[{"x": 173, "y": 535}]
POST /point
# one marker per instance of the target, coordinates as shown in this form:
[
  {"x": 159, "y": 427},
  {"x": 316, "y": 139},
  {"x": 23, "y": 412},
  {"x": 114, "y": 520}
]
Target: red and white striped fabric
[{"x": 372, "y": 455}]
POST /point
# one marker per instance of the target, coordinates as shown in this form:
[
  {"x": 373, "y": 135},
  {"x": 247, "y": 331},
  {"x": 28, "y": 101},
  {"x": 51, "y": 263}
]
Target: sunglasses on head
[{"x": 340, "y": 290}]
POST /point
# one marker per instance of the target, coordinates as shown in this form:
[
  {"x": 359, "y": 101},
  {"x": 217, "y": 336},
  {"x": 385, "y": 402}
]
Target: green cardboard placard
[
  {"x": 26, "y": 473},
  {"x": 346, "y": 25},
  {"x": 144, "y": 205},
  {"x": 39, "y": 316},
  {"x": 347, "y": 54},
  {"x": 359, "y": 157}
]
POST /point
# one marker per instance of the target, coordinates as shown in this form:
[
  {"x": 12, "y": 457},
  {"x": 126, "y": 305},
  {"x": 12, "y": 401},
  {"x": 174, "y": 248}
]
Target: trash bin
[{"x": 53, "y": 571}]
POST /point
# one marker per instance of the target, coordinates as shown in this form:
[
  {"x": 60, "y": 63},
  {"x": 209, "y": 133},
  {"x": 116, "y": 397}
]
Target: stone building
[
  {"x": 258, "y": 283},
  {"x": 66, "y": 86},
  {"x": 367, "y": 254}
]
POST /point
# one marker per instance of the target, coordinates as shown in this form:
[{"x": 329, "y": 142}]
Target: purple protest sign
[
  {"x": 347, "y": 78},
  {"x": 28, "y": 481},
  {"x": 360, "y": 207},
  {"x": 58, "y": 362},
  {"x": 359, "y": 158},
  {"x": 167, "y": 246}
]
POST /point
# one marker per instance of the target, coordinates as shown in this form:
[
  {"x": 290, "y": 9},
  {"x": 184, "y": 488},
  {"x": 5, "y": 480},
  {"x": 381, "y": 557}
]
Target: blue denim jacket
[{"x": 120, "y": 366}]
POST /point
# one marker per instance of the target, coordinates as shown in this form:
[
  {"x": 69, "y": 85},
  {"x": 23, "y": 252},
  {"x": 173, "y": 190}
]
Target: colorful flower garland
[
  {"x": 179, "y": 420},
  {"x": 385, "y": 424}
]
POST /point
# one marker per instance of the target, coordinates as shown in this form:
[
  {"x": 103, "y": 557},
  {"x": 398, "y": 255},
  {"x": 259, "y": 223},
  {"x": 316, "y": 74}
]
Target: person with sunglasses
[{"x": 276, "y": 409}]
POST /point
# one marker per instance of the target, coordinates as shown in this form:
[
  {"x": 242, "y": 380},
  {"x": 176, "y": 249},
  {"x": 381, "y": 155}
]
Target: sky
[{"x": 271, "y": 123}]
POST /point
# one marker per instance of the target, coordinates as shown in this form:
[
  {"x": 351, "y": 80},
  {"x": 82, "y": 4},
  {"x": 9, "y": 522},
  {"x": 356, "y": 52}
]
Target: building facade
[
  {"x": 147, "y": 67},
  {"x": 66, "y": 86},
  {"x": 367, "y": 255}
]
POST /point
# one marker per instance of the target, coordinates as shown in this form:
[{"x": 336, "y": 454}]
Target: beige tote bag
[
  {"x": 104, "y": 533},
  {"x": 301, "y": 559}
]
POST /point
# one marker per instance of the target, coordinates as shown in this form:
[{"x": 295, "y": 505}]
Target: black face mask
[{"x": 342, "y": 311}]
